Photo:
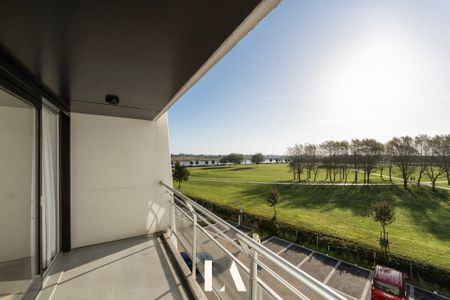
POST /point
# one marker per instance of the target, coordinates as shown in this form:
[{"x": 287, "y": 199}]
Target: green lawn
[
  {"x": 281, "y": 173},
  {"x": 266, "y": 172},
  {"x": 271, "y": 173},
  {"x": 443, "y": 183},
  {"x": 421, "y": 230},
  {"x": 397, "y": 173}
]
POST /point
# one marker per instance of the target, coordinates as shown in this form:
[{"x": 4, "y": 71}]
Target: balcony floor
[{"x": 137, "y": 268}]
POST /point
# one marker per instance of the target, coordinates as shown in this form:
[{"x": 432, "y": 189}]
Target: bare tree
[
  {"x": 355, "y": 148},
  {"x": 421, "y": 144},
  {"x": 296, "y": 165},
  {"x": 329, "y": 159},
  {"x": 389, "y": 157},
  {"x": 404, "y": 156},
  {"x": 310, "y": 159},
  {"x": 292, "y": 168},
  {"x": 446, "y": 155},
  {"x": 338, "y": 158},
  {"x": 435, "y": 159},
  {"x": 341, "y": 154},
  {"x": 371, "y": 151}
]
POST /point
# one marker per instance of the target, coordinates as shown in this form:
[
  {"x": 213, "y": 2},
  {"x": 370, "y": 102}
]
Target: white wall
[
  {"x": 16, "y": 181},
  {"x": 116, "y": 167}
]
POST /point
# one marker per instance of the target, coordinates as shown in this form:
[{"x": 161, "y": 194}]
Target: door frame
[
  {"x": 52, "y": 109},
  {"x": 17, "y": 80}
]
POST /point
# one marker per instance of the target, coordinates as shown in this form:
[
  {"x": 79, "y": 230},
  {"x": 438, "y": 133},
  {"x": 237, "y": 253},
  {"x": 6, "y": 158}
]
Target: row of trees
[
  {"x": 237, "y": 158},
  {"x": 429, "y": 156}
]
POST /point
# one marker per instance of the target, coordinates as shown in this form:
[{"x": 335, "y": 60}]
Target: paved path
[{"x": 415, "y": 183}]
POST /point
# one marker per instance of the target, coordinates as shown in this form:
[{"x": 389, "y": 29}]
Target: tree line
[
  {"x": 237, "y": 158},
  {"x": 428, "y": 155}
]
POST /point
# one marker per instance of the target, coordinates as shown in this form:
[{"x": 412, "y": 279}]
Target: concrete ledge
[{"x": 185, "y": 272}]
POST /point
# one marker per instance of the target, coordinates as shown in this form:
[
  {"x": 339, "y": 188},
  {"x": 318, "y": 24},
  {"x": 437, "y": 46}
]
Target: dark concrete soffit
[{"x": 146, "y": 52}]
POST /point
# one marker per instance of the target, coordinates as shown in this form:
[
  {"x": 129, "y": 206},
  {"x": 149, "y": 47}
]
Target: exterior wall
[
  {"x": 117, "y": 164},
  {"x": 16, "y": 182}
]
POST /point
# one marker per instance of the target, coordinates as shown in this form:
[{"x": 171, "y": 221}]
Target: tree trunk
[
  {"x": 405, "y": 183},
  {"x": 390, "y": 174},
  {"x": 384, "y": 232},
  {"x": 179, "y": 183},
  {"x": 433, "y": 185},
  {"x": 420, "y": 177},
  {"x": 356, "y": 176},
  {"x": 274, "y": 213},
  {"x": 381, "y": 173}
]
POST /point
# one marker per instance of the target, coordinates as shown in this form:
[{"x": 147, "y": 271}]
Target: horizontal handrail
[
  {"x": 228, "y": 253},
  {"x": 223, "y": 235},
  {"x": 303, "y": 277}
]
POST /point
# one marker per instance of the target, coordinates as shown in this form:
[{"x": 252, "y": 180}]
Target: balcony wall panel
[{"x": 117, "y": 164}]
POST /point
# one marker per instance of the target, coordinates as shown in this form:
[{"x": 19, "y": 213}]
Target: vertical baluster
[
  {"x": 194, "y": 247},
  {"x": 254, "y": 276}
]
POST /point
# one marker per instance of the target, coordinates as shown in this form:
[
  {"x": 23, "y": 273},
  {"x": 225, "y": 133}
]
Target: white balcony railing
[{"x": 242, "y": 268}]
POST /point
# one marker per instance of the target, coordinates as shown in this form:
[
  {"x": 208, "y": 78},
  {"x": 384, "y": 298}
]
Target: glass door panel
[
  {"x": 18, "y": 265},
  {"x": 49, "y": 188}
]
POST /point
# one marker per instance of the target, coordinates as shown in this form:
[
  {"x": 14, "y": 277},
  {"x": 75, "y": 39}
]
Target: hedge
[{"x": 339, "y": 247}]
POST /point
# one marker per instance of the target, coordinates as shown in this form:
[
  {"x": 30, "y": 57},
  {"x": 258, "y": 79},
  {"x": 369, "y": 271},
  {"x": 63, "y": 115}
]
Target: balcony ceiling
[{"x": 143, "y": 51}]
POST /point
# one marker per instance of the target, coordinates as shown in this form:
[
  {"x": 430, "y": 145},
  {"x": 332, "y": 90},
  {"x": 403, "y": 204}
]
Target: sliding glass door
[
  {"x": 18, "y": 196},
  {"x": 49, "y": 186}
]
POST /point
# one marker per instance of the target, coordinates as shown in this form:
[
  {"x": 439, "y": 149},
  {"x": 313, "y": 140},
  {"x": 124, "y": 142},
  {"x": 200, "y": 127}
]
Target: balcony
[
  {"x": 84, "y": 140},
  {"x": 151, "y": 267},
  {"x": 135, "y": 268},
  {"x": 241, "y": 267}
]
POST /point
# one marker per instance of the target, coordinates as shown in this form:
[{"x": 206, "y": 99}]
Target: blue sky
[{"x": 318, "y": 70}]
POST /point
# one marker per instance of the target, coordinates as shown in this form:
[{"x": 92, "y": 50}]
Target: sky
[{"x": 313, "y": 71}]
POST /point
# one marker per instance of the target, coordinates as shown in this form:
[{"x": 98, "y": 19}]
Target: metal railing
[{"x": 200, "y": 242}]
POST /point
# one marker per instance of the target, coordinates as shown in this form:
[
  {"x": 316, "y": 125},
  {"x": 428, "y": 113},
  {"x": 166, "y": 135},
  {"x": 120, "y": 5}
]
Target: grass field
[
  {"x": 280, "y": 173},
  {"x": 397, "y": 173},
  {"x": 421, "y": 230}
]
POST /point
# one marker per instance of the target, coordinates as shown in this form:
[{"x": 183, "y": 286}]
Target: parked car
[{"x": 388, "y": 284}]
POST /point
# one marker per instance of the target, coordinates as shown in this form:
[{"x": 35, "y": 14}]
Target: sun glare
[{"x": 377, "y": 71}]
